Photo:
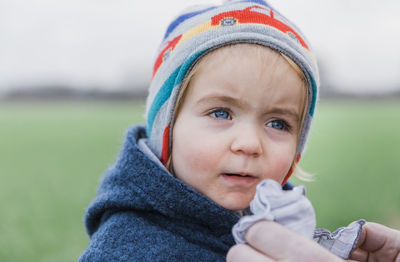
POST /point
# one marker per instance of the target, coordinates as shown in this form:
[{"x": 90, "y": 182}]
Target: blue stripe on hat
[
  {"x": 182, "y": 18},
  {"x": 165, "y": 91},
  {"x": 261, "y": 2}
]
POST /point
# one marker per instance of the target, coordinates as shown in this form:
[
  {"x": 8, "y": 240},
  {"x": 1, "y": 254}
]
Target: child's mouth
[
  {"x": 237, "y": 179},
  {"x": 238, "y": 175}
]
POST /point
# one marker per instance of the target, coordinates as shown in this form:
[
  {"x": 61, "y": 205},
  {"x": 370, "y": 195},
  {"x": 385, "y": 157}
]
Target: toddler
[{"x": 230, "y": 104}]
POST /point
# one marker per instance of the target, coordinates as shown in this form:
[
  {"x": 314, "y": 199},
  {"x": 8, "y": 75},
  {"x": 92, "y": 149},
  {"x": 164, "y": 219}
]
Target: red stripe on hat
[
  {"x": 256, "y": 15},
  {"x": 291, "y": 171},
  {"x": 165, "y": 53},
  {"x": 165, "y": 146}
]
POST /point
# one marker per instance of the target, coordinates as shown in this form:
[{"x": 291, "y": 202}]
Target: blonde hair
[{"x": 297, "y": 171}]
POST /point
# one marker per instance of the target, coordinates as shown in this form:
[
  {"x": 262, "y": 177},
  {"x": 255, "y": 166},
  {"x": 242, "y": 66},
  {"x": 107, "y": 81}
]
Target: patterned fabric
[
  {"x": 341, "y": 242},
  {"x": 199, "y": 30}
]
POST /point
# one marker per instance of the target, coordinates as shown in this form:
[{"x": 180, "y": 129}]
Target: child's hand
[
  {"x": 270, "y": 241},
  {"x": 377, "y": 243}
]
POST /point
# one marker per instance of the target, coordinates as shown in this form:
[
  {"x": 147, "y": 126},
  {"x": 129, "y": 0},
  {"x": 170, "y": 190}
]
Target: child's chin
[{"x": 235, "y": 205}]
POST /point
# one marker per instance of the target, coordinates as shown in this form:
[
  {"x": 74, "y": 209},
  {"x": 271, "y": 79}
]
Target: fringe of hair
[{"x": 303, "y": 175}]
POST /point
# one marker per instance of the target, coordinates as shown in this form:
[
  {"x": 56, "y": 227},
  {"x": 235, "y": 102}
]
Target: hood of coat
[{"x": 137, "y": 183}]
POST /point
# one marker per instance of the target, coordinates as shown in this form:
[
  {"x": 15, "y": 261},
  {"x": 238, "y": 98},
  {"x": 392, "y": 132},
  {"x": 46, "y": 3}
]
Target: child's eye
[
  {"x": 221, "y": 114},
  {"x": 279, "y": 124}
]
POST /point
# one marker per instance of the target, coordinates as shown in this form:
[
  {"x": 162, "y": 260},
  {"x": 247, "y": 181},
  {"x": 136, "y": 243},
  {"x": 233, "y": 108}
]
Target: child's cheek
[
  {"x": 282, "y": 164},
  {"x": 203, "y": 155}
]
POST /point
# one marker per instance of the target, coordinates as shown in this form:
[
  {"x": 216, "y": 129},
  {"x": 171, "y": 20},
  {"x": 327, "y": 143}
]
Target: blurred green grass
[
  {"x": 53, "y": 154},
  {"x": 354, "y": 151}
]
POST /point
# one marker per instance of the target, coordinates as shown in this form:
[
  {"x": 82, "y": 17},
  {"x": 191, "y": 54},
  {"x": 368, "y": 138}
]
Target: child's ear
[{"x": 292, "y": 168}]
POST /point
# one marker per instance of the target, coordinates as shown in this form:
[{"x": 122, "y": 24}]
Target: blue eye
[
  {"x": 278, "y": 124},
  {"x": 221, "y": 113}
]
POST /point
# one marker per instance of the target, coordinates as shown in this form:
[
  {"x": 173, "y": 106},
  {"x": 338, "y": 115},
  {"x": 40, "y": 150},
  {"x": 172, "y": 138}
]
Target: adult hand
[
  {"x": 377, "y": 243},
  {"x": 270, "y": 241}
]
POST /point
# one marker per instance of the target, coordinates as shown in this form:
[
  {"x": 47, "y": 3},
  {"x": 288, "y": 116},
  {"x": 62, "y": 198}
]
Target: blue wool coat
[{"x": 142, "y": 213}]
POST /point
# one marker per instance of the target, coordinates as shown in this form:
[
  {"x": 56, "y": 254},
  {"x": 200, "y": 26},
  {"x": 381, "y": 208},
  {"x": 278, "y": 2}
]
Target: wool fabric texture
[
  {"x": 141, "y": 213},
  {"x": 201, "y": 29}
]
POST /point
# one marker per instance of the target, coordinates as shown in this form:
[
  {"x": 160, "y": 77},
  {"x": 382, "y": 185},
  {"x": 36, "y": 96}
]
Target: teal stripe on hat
[
  {"x": 166, "y": 89},
  {"x": 314, "y": 96}
]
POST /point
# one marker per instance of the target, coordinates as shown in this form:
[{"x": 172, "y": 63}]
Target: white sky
[{"x": 88, "y": 43}]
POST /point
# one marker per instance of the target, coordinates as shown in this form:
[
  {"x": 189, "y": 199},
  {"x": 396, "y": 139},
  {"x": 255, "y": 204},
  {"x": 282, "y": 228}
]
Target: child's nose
[{"x": 247, "y": 140}]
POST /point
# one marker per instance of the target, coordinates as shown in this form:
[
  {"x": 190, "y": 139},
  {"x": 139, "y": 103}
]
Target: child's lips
[{"x": 239, "y": 179}]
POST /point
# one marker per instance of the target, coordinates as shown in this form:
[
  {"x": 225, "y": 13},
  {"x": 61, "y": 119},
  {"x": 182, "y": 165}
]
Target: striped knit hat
[{"x": 201, "y": 29}]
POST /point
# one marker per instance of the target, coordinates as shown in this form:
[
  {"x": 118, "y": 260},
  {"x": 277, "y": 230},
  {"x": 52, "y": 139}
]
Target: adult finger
[
  {"x": 280, "y": 243},
  {"x": 359, "y": 255},
  {"x": 246, "y": 253},
  {"x": 379, "y": 242},
  {"x": 375, "y": 237}
]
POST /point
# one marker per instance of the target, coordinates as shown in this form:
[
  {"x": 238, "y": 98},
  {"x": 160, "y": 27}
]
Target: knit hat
[{"x": 201, "y": 29}]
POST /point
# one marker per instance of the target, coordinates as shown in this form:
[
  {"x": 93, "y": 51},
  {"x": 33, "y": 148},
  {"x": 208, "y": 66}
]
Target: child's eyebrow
[
  {"x": 292, "y": 113},
  {"x": 219, "y": 98}
]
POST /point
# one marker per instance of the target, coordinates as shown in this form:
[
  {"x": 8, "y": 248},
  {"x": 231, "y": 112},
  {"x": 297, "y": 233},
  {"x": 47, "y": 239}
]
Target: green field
[{"x": 52, "y": 156}]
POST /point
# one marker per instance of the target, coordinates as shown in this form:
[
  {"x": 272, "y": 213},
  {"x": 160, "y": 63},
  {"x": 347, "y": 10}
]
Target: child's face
[{"x": 238, "y": 125}]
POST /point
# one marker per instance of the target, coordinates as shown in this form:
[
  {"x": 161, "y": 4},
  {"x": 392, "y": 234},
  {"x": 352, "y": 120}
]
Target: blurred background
[{"x": 74, "y": 76}]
